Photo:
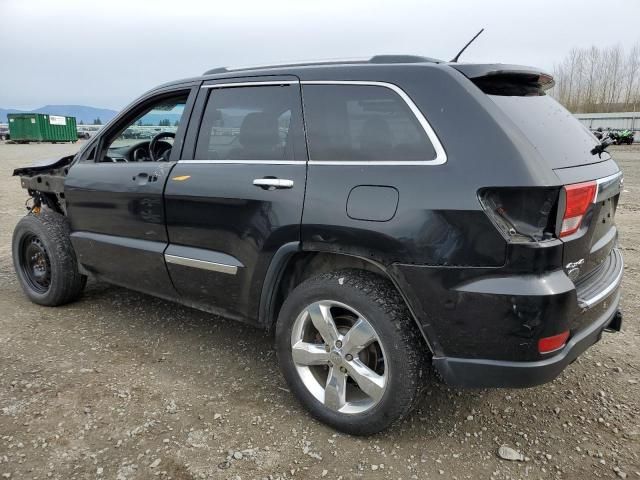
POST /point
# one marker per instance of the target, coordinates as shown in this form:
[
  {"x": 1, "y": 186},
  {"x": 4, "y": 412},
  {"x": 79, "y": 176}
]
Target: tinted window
[
  {"x": 559, "y": 137},
  {"x": 353, "y": 122},
  {"x": 249, "y": 123}
]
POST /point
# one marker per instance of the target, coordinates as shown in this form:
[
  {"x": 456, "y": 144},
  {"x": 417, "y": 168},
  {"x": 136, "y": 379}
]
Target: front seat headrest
[{"x": 259, "y": 130}]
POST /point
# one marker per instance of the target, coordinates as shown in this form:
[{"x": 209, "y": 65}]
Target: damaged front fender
[
  {"x": 44, "y": 166},
  {"x": 45, "y": 182}
]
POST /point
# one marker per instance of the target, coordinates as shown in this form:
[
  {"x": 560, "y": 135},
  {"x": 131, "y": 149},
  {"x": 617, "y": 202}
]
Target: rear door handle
[{"x": 273, "y": 183}]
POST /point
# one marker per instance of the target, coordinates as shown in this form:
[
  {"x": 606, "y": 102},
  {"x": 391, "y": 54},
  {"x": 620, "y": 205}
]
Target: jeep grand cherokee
[{"x": 381, "y": 217}]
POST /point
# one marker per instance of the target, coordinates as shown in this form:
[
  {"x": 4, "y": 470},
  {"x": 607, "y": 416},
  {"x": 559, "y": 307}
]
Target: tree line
[{"x": 599, "y": 79}]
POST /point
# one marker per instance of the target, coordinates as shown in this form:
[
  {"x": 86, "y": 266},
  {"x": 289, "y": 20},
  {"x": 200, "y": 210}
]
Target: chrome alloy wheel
[{"x": 339, "y": 357}]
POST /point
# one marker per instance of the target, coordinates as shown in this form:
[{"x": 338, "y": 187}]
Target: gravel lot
[{"x": 125, "y": 386}]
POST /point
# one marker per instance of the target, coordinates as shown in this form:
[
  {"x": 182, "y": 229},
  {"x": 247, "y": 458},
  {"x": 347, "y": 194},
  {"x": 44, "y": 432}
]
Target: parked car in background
[
  {"x": 357, "y": 210},
  {"x": 4, "y": 132},
  {"x": 87, "y": 131}
]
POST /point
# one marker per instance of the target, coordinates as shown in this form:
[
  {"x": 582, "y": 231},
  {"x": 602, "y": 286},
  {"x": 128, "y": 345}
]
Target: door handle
[
  {"x": 144, "y": 177},
  {"x": 273, "y": 183}
]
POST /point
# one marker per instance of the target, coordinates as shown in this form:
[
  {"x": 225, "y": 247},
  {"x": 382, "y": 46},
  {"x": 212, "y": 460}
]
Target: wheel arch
[{"x": 291, "y": 265}]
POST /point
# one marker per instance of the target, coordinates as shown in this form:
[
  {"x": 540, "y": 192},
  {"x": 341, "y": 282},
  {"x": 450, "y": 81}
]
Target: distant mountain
[
  {"x": 4, "y": 112},
  {"x": 156, "y": 118},
  {"x": 82, "y": 113}
]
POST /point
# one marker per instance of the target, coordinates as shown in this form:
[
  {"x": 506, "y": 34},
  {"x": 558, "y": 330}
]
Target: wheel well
[{"x": 304, "y": 265}]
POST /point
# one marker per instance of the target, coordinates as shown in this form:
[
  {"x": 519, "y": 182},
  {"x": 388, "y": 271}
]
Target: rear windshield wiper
[{"x": 602, "y": 146}]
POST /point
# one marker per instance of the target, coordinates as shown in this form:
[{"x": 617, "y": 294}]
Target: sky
[{"x": 105, "y": 53}]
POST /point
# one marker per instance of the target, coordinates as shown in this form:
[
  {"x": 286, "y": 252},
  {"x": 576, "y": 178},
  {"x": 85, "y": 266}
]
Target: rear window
[
  {"x": 559, "y": 137},
  {"x": 358, "y": 122}
]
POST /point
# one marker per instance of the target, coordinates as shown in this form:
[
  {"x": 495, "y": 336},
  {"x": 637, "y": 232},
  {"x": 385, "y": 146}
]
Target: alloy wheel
[{"x": 339, "y": 357}]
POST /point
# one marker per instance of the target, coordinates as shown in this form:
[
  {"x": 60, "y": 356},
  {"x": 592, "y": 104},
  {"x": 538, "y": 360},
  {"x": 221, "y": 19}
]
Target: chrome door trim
[
  {"x": 441, "y": 155},
  {"x": 202, "y": 264}
]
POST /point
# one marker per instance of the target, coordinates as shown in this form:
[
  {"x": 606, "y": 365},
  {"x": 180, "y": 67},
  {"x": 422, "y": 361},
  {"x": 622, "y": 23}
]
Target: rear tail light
[
  {"x": 578, "y": 197},
  {"x": 522, "y": 214},
  {"x": 532, "y": 214},
  {"x": 551, "y": 344}
]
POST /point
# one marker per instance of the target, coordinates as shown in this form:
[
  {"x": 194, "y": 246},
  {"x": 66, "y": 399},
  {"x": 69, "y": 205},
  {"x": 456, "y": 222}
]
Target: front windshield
[{"x": 163, "y": 117}]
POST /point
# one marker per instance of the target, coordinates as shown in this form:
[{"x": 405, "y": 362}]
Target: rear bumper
[
  {"x": 480, "y": 373},
  {"x": 483, "y": 325}
]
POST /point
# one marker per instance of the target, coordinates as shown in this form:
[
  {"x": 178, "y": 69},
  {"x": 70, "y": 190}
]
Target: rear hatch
[{"x": 587, "y": 202}]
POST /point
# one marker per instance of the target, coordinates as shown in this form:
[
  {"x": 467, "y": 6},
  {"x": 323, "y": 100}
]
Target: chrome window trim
[
  {"x": 246, "y": 162},
  {"x": 250, "y": 84},
  {"x": 202, "y": 264},
  {"x": 441, "y": 155}
]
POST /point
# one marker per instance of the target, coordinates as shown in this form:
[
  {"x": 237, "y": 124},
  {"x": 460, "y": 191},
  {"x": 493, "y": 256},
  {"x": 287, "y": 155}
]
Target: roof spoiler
[{"x": 500, "y": 79}]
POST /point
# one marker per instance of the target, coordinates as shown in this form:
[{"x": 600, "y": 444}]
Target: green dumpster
[{"x": 41, "y": 127}]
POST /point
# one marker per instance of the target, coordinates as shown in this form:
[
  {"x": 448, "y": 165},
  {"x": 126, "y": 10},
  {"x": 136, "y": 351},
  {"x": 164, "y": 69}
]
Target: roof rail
[
  {"x": 378, "y": 59},
  {"x": 403, "y": 59}
]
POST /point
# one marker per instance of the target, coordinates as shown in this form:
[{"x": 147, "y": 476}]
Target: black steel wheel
[
  {"x": 35, "y": 263},
  {"x": 44, "y": 259}
]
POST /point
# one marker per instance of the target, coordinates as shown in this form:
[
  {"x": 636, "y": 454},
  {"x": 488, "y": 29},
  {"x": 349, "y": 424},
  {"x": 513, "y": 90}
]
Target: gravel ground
[{"x": 125, "y": 386}]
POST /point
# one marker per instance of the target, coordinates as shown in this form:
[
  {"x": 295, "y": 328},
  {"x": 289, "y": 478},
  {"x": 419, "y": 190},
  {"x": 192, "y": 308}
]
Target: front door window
[{"x": 149, "y": 136}]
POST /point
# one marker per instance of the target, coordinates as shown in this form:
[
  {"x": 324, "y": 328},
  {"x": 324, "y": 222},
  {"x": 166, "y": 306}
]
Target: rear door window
[
  {"x": 362, "y": 123},
  {"x": 250, "y": 123}
]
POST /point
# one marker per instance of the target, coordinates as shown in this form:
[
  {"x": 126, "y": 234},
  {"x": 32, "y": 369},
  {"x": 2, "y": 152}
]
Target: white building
[{"x": 613, "y": 121}]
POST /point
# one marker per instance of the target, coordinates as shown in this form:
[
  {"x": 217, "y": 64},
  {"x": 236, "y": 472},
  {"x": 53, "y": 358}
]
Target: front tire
[
  {"x": 350, "y": 351},
  {"x": 45, "y": 261}
]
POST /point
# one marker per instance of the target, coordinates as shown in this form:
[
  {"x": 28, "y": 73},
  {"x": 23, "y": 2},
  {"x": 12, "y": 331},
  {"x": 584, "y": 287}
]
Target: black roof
[
  {"x": 376, "y": 59},
  {"x": 386, "y": 66}
]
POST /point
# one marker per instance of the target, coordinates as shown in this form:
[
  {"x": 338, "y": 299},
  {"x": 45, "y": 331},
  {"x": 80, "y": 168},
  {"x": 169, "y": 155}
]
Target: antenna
[{"x": 455, "y": 59}]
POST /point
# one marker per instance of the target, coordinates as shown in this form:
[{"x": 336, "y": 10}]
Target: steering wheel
[{"x": 154, "y": 142}]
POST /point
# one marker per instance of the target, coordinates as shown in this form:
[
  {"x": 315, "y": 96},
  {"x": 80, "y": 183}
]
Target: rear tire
[
  {"x": 359, "y": 383},
  {"x": 45, "y": 261}
]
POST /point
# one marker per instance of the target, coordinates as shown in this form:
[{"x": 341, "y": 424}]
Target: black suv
[{"x": 380, "y": 216}]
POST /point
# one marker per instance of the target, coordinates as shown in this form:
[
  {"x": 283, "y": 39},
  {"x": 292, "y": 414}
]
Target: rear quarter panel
[{"x": 439, "y": 220}]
